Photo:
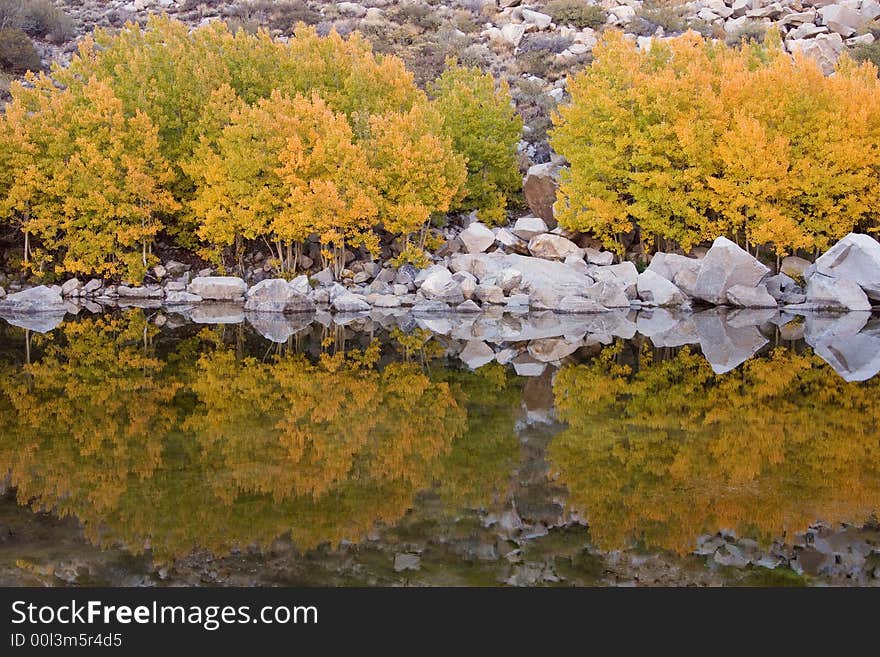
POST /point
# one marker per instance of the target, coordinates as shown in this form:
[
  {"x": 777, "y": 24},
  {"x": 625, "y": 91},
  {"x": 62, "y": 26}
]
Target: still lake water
[{"x": 146, "y": 448}]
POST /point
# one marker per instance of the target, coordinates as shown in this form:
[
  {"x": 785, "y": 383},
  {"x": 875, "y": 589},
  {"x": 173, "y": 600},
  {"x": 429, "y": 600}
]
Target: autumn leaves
[
  {"x": 695, "y": 139},
  {"x": 218, "y": 138}
]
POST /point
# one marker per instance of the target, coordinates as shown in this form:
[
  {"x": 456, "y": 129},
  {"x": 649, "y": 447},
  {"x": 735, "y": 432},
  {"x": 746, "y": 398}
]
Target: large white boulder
[
  {"x": 276, "y": 295},
  {"x": 856, "y": 257},
  {"x": 439, "y": 285},
  {"x": 654, "y": 290},
  {"x": 724, "y": 266},
  {"x": 750, "y": 297},
  {"x": 527, "y": 227},
  {"x": 553, "y": 247},
  {"x": 40, "y": 299},
  {"x": 218, "y": 288},
  {"x": 827, "y": 293},
  {"x": 476, "y": 238}
]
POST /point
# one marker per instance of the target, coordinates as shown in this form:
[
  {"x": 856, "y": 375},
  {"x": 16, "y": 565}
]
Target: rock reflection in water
[{"x": 332, "y": 431}]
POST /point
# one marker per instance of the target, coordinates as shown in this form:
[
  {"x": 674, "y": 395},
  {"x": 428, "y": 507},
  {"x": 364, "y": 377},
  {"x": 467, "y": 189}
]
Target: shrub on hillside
[
  {"x": 577, "y": 13},
  {"x": 17, "y": 53},
  {"x": 43, "y": 20}
]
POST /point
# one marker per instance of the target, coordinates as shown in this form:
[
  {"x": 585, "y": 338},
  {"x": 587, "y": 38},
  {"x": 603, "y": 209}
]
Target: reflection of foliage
[
  {"x": 478, "y": 469},
  {"x": 207, "y": 449},
  {"x": 671, "y": 451},
  {"x": 88, "y": 418}
]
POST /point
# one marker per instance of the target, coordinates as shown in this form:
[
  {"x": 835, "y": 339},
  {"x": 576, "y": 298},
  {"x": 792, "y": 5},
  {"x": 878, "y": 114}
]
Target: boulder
[
  {"x": 553, "y": 247},
  {"x": 491, "y": 294},
  {"x": 527, "y": 227},
  {"x": 145, "y": 292},
  {"x": 596, "y": 257},
  {"x": 41, "y": 299},
  {"x": 623, "y": 274},
  {"x": 508, "y": 279},
  {"x": 579, "y": 305},
  {"x": 785, "y": 289},
  {"x": 654, "y": 290},
  {"x": 856, "y": 258},
  {"x": 218, "y": 288},
  {"x": 476, "y": 238},
  {"x": 750, "y": 297},
  {"x": 539, "y": 188},
  {"x": 842, "y": 19},
  {"x": 794, "y": 266},
  {"x": 71, "y": 288},
  {"x": 670, "y": 265},
  {"x": 467, "y": 307},
  {"x": 536, "y": 18},
  {"x": 824, "y": 48},
  {"x": 349, "y": 303},
  {"x": 608, "y": 294},
  {"x": 724, "y": 266},
  {"x": 827, "y": 293},
  {"x": 384, "y": 301},
  {"x": 276, "y": 295},
  {"x": 439, "y": 285}
]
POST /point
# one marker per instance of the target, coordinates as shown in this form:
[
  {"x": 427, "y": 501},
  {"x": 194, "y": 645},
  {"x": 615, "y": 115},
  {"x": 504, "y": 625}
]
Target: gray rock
[
  {"x": 553, "y": 247},
  {"x": 827, "y": 293},
  {"x": 384, "y": 301},
  {"x": 724, "y": 266},
  {"x": 528, "y": 227},
  {"x": 794, "y": 266},
  {"x": 750, "y": 297},
  {"x": 324, "y": 277},
  {"x": 301, "y": 285},
  {"x": 785, "y": 289},
  {"x": 40, "y": 299},
  {"x": 218, "y": 288},
  {"x": 579, "y": 305},
  {"x": 349, "y": 303},
  {"x": 276, "y": 295},
  {"x": 439, "y": 285},
  {"x": 491, "y": 294},
  {"x": 174, "y": 268},
  {"x": 608, "y": 294},
  {"x": 71, "y": 288},
  {"x": 672, "y": 265},
  {"x": 146, "y": 292},
  {"x": 476, "y": 238},
  {"x": 508, "y": 279},
  {"x": 856, "y": 257},
  {"x": 595, "y": 257},
  {"x": 403, "y": 561},
  {"x": 654, "y": 290}
]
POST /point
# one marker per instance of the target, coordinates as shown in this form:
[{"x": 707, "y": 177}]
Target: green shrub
[
  {"x": 10, "y": 13},
  {"x": 17, "y": 53},
  {"x": 654, "y": 14},
  {"x": 281, "y": 16},
  {"x": 867, "y": 53},
  {"x": 749, "y": 34},
  {"x": 43, "y": 20},
  {"x": 576, "y": 12}
]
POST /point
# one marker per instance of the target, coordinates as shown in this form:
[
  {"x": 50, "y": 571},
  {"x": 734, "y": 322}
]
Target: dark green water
[{"x": 145, "y": 449}]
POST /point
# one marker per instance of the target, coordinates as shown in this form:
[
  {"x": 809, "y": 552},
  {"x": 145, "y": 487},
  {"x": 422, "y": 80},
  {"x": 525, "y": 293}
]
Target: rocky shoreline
[{"x": 530, "y": 269}]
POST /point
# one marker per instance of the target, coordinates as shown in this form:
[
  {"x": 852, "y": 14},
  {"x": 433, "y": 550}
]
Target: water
[{"x": 715, "y": 448}]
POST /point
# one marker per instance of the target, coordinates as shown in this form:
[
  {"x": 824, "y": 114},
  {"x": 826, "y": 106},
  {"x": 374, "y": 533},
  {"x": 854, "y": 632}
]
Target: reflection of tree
[
  {"x": 478, "y": 469},
  {"x": 207, "y": 448},
  {"x": 88, "y": 418},
  {"x": 671, "y": 451}
]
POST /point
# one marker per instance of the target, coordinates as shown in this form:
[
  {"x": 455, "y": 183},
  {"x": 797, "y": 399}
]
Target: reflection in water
[
  {"x": 668, "y": 450},
  {"x": 212, "y": 438}
]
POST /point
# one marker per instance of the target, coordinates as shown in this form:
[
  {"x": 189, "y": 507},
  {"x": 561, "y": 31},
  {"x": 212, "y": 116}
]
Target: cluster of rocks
[{"x": 530, "y": 268}]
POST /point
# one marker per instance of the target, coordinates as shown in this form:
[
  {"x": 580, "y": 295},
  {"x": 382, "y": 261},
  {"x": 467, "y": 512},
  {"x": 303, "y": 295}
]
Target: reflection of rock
[
  {"x": 726, "y": 346},
  {"x": 525, "y": 365},
  {"x": 40, "y": 299},
  {"x": 40, "y": 322},
  {"x": 852, "y": 351},
  {"x": 476, "y": 354},
  {"x": 217, "y": 313},
  {"x": 549, "y": 350},
  {"x": 277, "y": 327}
]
